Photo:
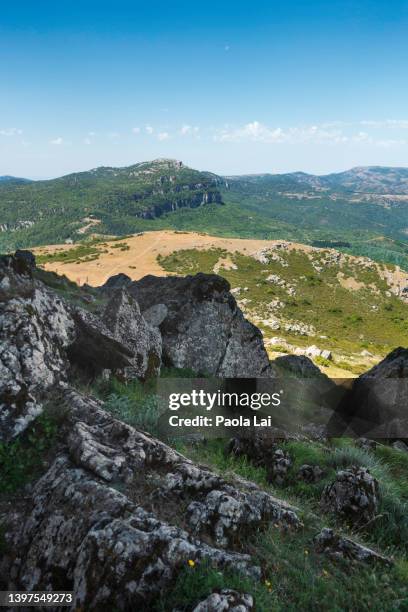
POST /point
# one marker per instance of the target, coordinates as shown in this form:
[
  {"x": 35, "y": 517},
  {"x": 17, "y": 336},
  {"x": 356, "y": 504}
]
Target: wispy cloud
[
  {"x": 149, "y": 129},
  {"x": 57, "y": 141},
  {"x": 333, "y": 133},
  {"x": 401, "y": 124},
  {"x": 189, "y": 130},
  {"x": 163, "y": 136},
  {"x": 136, "y": 130},
  {"x": 87, "y": 141},
  {"x": 11, "y": 132}
]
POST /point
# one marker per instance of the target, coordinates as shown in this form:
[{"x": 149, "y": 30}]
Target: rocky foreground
[{"x": 116, "y": 513}]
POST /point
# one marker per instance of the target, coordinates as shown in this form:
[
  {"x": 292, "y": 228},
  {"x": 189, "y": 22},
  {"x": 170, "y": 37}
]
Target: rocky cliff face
[
  {"x": 203, "y": 329},
  {"x": 191, "y": 322}
]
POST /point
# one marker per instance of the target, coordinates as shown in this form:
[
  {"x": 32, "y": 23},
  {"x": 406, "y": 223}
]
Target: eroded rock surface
[
  {"x": 119, "y": 513},
  {"x": 35, "y": 330},
  {"x": 204, "y": 329}
]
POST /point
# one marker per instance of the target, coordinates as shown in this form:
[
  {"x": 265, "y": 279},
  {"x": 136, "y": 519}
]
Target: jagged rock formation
[
  {"x": 193, "y": 322},
  {"x": 204, "y": 329},
  {"x": 118, "y": 513},
  {"x": 42, "y": 336},
  {"x": 35, "y": 331},
  {"x": 353, "y": 495}
]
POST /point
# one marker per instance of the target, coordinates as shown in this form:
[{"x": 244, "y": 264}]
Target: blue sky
[{"x": 231, "y": 87}]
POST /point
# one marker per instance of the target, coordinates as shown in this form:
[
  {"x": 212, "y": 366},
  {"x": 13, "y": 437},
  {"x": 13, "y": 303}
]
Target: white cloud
[
  {"x": 189, "y": 130},
  {"x": 113, "y": 135},
  {"x": 11, "y": 132},
  {"x": 57, "y": 141},
  {"x": 136, "y": 130},
  {"x": 333, "y": 133},
  {"x": 149, "y": 129},
  {"x": 401, "y": 124},
  {"x": 91, "y": 134},
  {"x": 87, "y": 141},
  {"x": 163, "y": 136}
]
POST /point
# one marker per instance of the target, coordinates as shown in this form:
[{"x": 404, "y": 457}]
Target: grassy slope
[
  {"x": 350, "y": 320},
  {"x": 294, "y": 576}
]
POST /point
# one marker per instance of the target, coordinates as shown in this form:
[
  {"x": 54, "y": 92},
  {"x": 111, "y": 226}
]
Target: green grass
[
  {"x": 348, "y": 320},
  {"x": 294, "y": 576},
  {"x": 21, "y": 460}
]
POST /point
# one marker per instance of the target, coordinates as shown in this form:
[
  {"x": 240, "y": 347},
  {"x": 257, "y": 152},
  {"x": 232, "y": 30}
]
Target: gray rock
[
  {"x": 226, "y": 600},
  {"x": 339, "y": 547},
  {"x": 118, "y": 281},
  {"x": 35, "y": 330},
  {"x": 122, "y": 316},
  {"x": 27, "y": 257},
  {"x": 310, "y": 473},
  {"x": 278, "y": 467},
  {"x": 109, "y": 519},
  {"x": 156, "y": 314},
  {"x": 366, "y": 444},
  {"x": 353, "y": 495},
  {"x": 400, "y": 445},
  {"x": 204, "y": 329}
]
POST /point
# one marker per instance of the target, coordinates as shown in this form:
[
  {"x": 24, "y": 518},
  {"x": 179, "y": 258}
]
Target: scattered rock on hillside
[
  {"x": 366, "y": 444},
  {"x": 226, "y": 600},
  {"x": 310, "y": 473},
  {"x": 353, "y": 495},
  {"x": 340, "y": 547},
  {"x": 204, "y": 329},
  {"x": 400, "y": 445},
  {"x": 278, "y": 467}
]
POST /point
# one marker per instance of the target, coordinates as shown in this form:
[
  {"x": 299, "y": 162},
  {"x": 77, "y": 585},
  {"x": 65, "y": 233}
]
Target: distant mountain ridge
[
  {"x": 364, "y": 209},
  {"x": 13, "y": 179},
  {"x": 367, "y": 179}
]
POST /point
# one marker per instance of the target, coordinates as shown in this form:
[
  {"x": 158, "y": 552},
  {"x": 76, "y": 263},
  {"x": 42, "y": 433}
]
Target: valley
[{"x": 344, "y": 312}]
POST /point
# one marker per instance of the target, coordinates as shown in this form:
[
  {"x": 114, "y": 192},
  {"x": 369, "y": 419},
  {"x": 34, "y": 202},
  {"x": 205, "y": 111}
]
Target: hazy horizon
[
  {"x": 50, "y": 178},
  {"x": 232, "y": 88}
]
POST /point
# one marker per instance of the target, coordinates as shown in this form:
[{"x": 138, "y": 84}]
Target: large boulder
[
  {"x": 204, "y": 329},
  {"x": 376, "y": 406},
  {"x": 119, "y": 513}
]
